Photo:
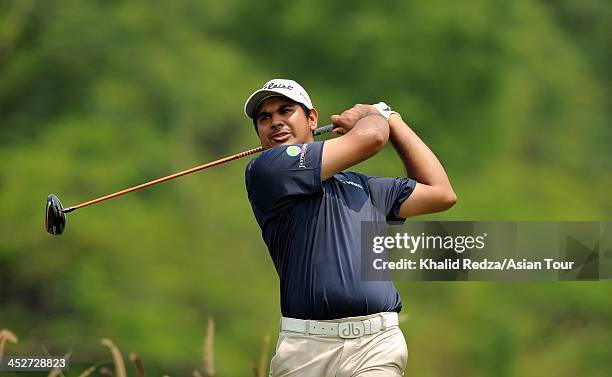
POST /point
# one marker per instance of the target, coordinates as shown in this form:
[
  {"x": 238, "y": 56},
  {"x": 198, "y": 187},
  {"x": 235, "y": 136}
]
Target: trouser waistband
[{"x": 347, "y": 328}]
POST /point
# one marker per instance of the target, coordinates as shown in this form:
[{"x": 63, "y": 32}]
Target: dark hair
[{"x": 306, "y": 111}]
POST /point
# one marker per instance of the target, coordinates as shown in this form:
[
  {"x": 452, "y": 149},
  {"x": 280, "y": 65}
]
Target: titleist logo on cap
[{"x": 274, "y": 85}]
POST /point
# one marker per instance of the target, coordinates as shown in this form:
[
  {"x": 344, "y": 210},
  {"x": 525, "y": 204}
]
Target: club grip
[{"x": 324, "y": 129}]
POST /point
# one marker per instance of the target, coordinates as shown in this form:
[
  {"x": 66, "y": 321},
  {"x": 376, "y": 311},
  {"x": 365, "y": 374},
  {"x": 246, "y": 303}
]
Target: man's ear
[{"x": 313, "y": 118}]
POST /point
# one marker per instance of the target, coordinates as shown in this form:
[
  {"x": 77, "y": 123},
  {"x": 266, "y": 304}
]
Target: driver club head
[{"x": 55, "y": 218}]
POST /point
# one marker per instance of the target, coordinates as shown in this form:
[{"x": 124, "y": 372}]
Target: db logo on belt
[{"x": 351, "y": 329}]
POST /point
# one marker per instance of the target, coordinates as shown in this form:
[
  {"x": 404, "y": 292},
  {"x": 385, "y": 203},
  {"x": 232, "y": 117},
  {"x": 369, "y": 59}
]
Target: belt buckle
[{"x": 350, "y": 330}]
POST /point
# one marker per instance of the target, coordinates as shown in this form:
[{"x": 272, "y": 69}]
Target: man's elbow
[
  {"x": 448, "y": 199},
  {"x": 375, "y": 138},
  {"x": 379, "y": 139},
  {"x": 372, "y": 135}
]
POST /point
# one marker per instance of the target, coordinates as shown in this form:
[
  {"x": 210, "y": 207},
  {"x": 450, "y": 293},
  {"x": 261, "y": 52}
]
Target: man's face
[{"x": 282, "y": 121}]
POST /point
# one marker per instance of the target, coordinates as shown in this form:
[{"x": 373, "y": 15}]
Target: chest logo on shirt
[
  {"x": 350, "y": 183},
  {"x": 293, "y": 151},
  {"x": 303, "y": 156}
]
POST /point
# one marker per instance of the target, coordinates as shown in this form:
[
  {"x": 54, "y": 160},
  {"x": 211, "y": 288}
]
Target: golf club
[{"x": 55, "y": 214}]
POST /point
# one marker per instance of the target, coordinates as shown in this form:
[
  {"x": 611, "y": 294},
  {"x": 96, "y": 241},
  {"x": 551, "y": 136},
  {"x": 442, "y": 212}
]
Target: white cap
[{"x": 273, "y": 88}]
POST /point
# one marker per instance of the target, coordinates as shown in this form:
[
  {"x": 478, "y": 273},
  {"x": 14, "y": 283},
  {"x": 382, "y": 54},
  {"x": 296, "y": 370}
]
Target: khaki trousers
[{"x": 381, "y": 354}]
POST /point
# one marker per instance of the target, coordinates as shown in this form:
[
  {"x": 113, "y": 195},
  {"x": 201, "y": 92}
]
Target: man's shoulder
[
  {"x": 285, "y": 157},
  {"x": 249, "y": 167},
  {"x": 261, "y": 159}
]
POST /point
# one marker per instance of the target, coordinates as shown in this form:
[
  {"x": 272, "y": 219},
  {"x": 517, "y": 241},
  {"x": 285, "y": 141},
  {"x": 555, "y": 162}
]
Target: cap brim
[{"x": 251, "y": 104}]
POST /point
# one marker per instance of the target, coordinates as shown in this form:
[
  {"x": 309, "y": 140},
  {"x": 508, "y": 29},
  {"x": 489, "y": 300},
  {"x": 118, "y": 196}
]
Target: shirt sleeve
[
  {"x": 388, "y": 194},
  {"x": 282, "y": 175}
]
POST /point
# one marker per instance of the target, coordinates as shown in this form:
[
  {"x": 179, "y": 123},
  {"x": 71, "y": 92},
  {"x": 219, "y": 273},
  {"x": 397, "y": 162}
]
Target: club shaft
[{"x": 318, "y": 131}]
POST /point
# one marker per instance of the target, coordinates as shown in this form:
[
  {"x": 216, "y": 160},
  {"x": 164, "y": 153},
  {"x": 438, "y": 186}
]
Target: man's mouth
[{"x": 280, "y": 137}]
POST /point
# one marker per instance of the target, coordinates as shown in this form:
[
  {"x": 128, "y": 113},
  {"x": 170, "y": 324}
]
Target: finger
[
  {"x": 337, "y": 120},
  {"x": 347, "y": 115}
]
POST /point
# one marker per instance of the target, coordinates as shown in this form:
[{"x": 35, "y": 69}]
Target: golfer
[{"x": 310, "y": 211}]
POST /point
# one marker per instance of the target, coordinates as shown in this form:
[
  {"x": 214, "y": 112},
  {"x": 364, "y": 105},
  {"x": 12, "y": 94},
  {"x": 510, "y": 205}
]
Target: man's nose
[{"x": 277, "y": 120}]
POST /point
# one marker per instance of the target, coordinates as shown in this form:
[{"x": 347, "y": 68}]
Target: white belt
[{"x": 343, "y": 328}]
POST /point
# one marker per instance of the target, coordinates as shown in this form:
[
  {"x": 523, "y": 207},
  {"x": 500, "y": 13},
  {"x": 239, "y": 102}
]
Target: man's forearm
[{"x": 420, "y": 162}]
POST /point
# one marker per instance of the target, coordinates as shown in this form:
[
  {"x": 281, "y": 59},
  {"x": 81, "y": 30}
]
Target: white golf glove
[{"x": 385, "y": 110}]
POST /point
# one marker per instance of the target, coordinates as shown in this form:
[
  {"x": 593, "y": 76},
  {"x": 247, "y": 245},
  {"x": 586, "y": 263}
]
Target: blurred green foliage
[{"x": 513, "y": 96}]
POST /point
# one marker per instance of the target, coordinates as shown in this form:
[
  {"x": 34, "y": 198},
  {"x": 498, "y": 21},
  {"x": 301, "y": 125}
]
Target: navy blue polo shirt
[{"x": 313, "y": 231}]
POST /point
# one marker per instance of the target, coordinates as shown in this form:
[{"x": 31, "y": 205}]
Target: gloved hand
[{"x": 385, "y": 110}]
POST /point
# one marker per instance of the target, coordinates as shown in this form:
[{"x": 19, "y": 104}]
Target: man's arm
[
  {"x": 365, "y": 132},
  {"x": 433, "y": 192}
]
